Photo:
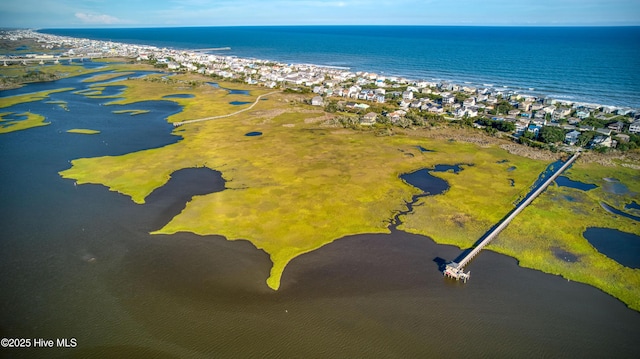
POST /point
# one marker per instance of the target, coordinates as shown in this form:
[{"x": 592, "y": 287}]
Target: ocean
[{"x": 581, "y": 64}]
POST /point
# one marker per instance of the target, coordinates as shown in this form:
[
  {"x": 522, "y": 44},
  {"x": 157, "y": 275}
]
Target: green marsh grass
[
  {"x": 10, "y": 125},
  {"x": 29, "y": 97},
  {"x": 300, "y": 186},
  {"x": 131, "y": 112},
  {"x": 83, "y": 131}
]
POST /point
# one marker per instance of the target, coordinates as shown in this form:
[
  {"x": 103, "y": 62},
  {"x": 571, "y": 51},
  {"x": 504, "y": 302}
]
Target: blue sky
[{"x": 150, "y": 13}]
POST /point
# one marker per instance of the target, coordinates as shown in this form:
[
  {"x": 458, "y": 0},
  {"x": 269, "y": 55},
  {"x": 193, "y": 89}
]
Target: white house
[
  {"x": 471, "y": 111},
  {"x": 582, "y": 114},
  {"x": 635, "y": 127},
  {"x": 471, "y": 101},
  {"x": 317, "y": 101},
  {"x": 448, "y": 98},
  {"x": 407, "y": 95},
  {"x": 604, "y": 141},
  {"x": 404, "y": 104}
]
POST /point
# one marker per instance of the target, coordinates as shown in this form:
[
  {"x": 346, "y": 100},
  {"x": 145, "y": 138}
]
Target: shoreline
[{"x": 524, "y": 89}]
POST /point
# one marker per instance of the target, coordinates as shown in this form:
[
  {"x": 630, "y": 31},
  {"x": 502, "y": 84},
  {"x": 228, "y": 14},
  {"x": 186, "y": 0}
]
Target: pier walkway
[
  {"x": 176, "y": 124},
  {"x": 456, "y": 269}
]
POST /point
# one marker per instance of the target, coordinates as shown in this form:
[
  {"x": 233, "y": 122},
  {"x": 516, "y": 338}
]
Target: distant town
[{"x": 364, "y": 99}]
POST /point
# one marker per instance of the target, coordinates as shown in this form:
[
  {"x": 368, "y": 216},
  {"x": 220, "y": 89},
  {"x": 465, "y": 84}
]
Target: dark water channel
[
  {"x": 429, "y": 184},
  {"x": 170, "y": 199},
  {"x": 620, "y": 246},
  {"x": 618, "y": 212},
  {"x": 79, "y": 262},
  {"x": 632, "y": 205},
  {"x": 179, "y": 95},
  {"x": 564, "y": 181},
  {"x": 239, "y": 103},
  {"x": 231, "y": 91}
]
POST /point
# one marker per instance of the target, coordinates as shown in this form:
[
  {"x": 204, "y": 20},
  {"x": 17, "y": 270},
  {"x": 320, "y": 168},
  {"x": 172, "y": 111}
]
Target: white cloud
[{"x": 97, "y": 19}]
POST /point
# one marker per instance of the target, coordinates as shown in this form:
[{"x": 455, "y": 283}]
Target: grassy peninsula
[
  {"x": 305, "y": 183},
  {"x": 30, "y": 120}
]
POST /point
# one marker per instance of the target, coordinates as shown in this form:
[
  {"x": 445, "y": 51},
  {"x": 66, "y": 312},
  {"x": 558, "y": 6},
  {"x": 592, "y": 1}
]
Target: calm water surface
[
  {"x": 620, "y": 246},
  {"x": 79, "y": 262}
]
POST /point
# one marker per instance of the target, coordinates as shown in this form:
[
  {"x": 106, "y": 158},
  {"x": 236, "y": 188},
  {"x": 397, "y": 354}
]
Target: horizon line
[{"x": 103, "y": 27}]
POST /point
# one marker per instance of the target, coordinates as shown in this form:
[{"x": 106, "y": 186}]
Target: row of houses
[{"x": 526, "y": 110}]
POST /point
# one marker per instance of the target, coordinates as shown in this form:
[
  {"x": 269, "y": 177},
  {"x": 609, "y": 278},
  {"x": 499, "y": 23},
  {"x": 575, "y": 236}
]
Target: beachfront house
[
  {"x": 572, "y": 137},
  {"x": 582, "y": 114},
  {"x": 448, "y": 98},
  {"x": 369, "y": 119},
  {"x": 573, "y": 120},
  {"x": 525, "y": 106},
  {"x": 535, "y": 129},
  {"x": 371, "y": 96},
  {"x": 604, "y": 131},
  {"x": 602, "y": 141},
  {"x": 521, "y": 127},
  {"x": 353, "y": 91},
  {"x": 616, "y": 126},
  {"x": 540, "y": 115},
  {"x": 623, "y": 138},
  {"x": 404, "y": 104},
  {"x": 635, "y": 127},
  {"x": 549, "y": 109},
  {"x": 395, "y": 116},
  {"x": 471, "y": 111},
  {"x": 471, "y": 101}
]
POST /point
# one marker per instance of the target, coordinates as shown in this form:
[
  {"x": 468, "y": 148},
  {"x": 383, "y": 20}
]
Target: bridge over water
[
  {"x": 455, "y": 269},
  {"x": 41, "y": 60}
]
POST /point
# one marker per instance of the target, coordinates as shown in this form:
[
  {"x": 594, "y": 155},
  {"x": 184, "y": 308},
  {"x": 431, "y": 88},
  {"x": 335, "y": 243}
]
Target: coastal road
[{"x": 176, "y": 124}]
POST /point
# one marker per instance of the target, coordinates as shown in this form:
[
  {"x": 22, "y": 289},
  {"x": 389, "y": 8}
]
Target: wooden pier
[{"x": 456, "y": 269}]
